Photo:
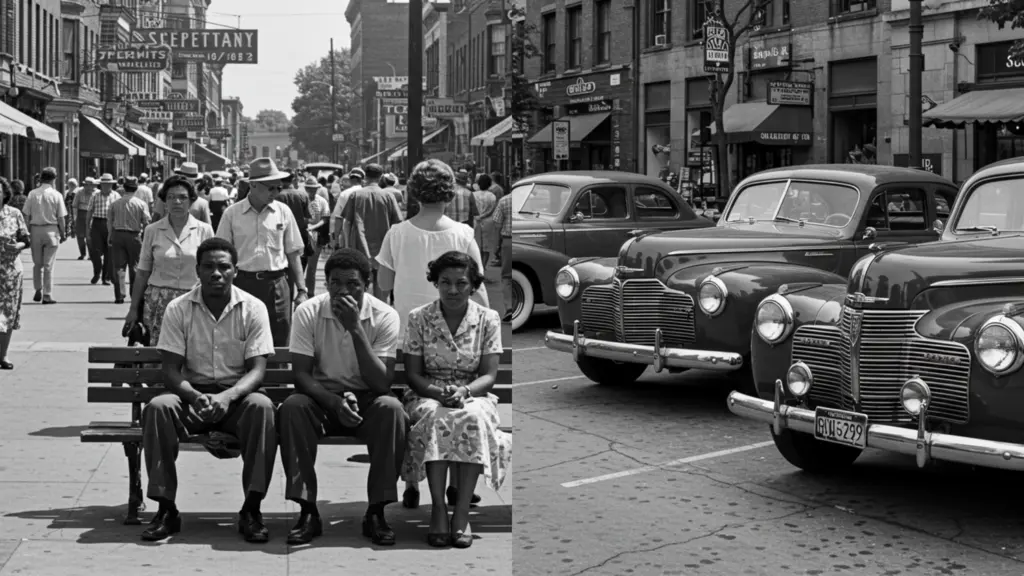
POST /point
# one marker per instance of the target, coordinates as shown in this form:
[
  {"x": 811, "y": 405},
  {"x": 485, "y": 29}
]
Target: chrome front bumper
[
  {"x": 657, "y": 355},
  {"x": 924, "y": 445}
]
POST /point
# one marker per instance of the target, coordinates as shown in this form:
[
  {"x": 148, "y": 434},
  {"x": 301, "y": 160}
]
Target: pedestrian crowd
[{"x": 221, "y": 271}]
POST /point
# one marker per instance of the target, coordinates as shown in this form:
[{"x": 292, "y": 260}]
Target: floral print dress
[
  {"x": 12, "y": 227},
  {"x": 470, "y": 434}
]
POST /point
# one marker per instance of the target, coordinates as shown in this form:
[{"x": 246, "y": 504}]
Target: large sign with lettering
[
  {"x": 219, "y": 132},
  {"x": 397, "y": 125},
  {"x": 157, "y": 117},
  {"x": 402, "y": 93},
  {"x": 170, "y": 105},
  {"x": 578, "y": 89},
  {"x": 134, "y": 58},
  {"x": 790, "y": 93},
  {"x": 716, "y": 46},
  {"x": 189, "y": 123},
  {"x": 445, "y": 108},
  {"x": 995, "y": 61},
  {"x": 204, "y": 45},
  {"x": 766, "y": 54},
  {"x": 784, "y": 138}
]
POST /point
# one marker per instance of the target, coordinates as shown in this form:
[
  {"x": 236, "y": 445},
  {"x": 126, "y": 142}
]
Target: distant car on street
[
  {"x": 919, "y": 353},
  {"x": 557, "y": 216},
  {"x": 686, "y": 299}
]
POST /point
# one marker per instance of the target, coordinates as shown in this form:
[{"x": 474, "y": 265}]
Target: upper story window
[
  {"x": 698, "y": 13},
  {"x": 603, "y": 32},
  {"x": 550, "y": 39},
  {"x": 496, "y": 45},
  {"x": 851, "y": 6},
  {"x": 659, "y": 22},
  {"x": 765, "y": 17},
  {"x": 785, "y": 12},
  {"x": 574, "y": 32}
]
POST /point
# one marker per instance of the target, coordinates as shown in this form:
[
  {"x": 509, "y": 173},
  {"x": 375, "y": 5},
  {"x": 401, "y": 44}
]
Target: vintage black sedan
[
  {"x": 686, "y": 299},
  {"x": 561, "y": 215},
  {"x": 919, "y": 353}
]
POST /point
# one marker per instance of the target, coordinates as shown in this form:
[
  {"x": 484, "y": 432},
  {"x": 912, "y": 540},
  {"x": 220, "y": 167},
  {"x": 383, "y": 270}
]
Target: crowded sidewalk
[{"x": 61, "y": 501}]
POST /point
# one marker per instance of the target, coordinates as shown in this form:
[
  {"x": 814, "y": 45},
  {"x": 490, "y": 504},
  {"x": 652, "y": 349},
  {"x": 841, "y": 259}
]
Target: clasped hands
[
  {"x": 211, "y": 407},
  {"x": 454, "y": 396}
]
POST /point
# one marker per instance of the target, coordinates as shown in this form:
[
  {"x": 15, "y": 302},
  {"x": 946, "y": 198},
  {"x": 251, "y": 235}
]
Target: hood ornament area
[
  {"x": 621, "y": 271},
  {"x": 859, "y": 299}
]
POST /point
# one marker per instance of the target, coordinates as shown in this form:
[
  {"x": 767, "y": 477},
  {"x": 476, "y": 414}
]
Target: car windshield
[
  {"x": 540, "y": 199},
  {"x": 993, "y": 207},
  {"x": 812, "y": 202}
]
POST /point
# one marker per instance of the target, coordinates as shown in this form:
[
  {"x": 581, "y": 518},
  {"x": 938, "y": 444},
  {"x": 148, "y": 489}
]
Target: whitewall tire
[{"x": 522, "y": 299}]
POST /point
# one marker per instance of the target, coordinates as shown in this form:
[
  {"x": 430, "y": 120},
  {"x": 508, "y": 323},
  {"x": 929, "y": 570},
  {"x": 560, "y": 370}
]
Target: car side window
[
  {"x": 602, "y": 203},
  {"x": 907, "y": 209},
  {"x": 944, "y": 200},
  {"x": 654, "y": 204}
]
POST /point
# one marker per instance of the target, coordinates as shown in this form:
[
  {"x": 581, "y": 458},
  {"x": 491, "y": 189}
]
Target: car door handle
[{"x": 635, "y": 233}]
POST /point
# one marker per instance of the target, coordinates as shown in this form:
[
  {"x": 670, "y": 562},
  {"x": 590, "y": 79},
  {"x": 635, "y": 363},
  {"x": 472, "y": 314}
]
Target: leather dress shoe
[
  {"x": 376, "y": 528},
  {"x": 162, "y": 525},
  {"x": 94, "y": 280},
  {"x": 308, "y": 527},
  {"x": 250, "y": 524}
]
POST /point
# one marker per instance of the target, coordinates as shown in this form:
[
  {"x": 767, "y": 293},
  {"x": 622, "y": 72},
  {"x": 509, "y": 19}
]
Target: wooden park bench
[{"x": 134, "y": 377}]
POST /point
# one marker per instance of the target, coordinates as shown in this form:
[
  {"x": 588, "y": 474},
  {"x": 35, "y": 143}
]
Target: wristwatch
[{"x": 469, "y": 391}]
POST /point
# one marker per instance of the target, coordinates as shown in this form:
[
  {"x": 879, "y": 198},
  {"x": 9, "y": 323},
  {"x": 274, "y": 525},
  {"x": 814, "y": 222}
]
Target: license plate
[{"x": 841, "y": 427}]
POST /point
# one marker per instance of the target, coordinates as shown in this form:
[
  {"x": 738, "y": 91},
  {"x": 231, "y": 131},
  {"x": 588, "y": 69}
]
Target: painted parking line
[
  {"x": 645, "y": 469},
  {"x": 548, "y": 381}
]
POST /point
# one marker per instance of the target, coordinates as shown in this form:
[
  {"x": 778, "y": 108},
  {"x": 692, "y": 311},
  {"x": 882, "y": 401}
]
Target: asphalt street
[{"x": 660, "y": 478}]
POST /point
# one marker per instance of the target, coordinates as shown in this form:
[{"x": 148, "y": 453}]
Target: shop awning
[
  {"x": 156, "y": 143},
  {"x": 983, "y": 106},
  {"x": 768, "y": 124},
  {"x": 376, "y": 157},
  {"x": 101, "y": 141},
  {"x": 487, "y": 137},
  {"x": 31, "y": 127},
  {"x": 211, "y": 159},
  {"x": 401, "y": 151},
  {"x": 580, "y": 126}
]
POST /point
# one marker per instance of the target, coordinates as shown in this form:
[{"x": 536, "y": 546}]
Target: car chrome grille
[
  {"x": 888, "y": 353},
  {"x": 632, "y": 309}
]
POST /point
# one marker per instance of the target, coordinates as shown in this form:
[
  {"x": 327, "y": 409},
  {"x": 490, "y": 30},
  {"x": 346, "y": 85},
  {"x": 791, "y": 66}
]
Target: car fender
[
  {"x": 747, "y": 285},
  {"x": 591, "y": 272},
  {"x": 540, "y": 265},
  {"x": 813, "y": 305}
]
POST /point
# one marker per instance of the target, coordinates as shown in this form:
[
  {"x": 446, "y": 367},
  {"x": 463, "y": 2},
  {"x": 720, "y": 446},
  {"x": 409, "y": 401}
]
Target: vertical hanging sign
[
  {"x": 716, "y": 46},
  {"x": 560, "y": 139}
]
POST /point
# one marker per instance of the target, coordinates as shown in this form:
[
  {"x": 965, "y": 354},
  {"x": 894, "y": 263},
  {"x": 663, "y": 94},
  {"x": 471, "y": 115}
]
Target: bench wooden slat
[
  {"x": 127, "y": 394},
  {"x": 140, "y": 354},
  {"x": 273, "y": 376},
  {"x": 127, "y": 433}
]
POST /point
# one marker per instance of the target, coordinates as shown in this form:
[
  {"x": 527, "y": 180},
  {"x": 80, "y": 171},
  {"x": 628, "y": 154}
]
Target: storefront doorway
[
  {"x": 757, "y": 157},
  {"x": 852, "y": 106}
]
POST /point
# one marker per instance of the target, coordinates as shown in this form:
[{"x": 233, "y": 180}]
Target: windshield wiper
[
  {"x": 992, "y": 229},
  {"x": 788, "y": 219}
]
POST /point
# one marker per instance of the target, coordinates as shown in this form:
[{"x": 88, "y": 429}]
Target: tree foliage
[
  {"x": 268, "y": 121},
  {"x": 312, "y": 121},
  {"x": 519, "y": 89},
  {"x": 1006, "y": 13},
  {"x": 747, "y": 18}
]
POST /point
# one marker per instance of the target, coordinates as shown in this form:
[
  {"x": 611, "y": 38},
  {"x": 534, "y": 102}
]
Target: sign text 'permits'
[
  {"x": 134, "y": 58},
  {"x": 560, "y": 139}
]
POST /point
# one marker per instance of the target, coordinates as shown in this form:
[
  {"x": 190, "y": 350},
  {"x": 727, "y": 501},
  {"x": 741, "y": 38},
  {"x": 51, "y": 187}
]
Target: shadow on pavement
[
  {"x": 60, "y": 432},
  {"x": 342, "y": 526}
]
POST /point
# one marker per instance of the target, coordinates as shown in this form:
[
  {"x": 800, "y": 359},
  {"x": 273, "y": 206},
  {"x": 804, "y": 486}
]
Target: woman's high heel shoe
[
  {"x": 460, "y": 539},
  {"x": 439, "y": 540}
]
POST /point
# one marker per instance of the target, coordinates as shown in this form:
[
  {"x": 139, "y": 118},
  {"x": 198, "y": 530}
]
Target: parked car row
[{"x": 858, "y": 306}]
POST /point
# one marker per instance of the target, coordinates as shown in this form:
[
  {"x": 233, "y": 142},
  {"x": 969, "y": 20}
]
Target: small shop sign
[
  {"x": 784, "y": 93},
  {"x": 765, "y": 55},
  {"x": 560, "y": 139},
  {"x": 785, "y": 138},
  {"x": 580, "y": 88},
  {"x": 134, "y": 58},
  {"x": 716, "y": 46},
  {"x": 930, "y": 162},
  {"x": 595, "y": 107},
  {"x": 170, "y": 105}
]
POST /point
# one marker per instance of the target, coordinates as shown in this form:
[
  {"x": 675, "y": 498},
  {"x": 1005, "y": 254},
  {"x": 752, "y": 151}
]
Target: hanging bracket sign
[
  {"x": 560, "y": 139},
  {"x": 716, "y": 46},
  {"x": 134, "y": 58},
  {"x": 204, "y": 45}
]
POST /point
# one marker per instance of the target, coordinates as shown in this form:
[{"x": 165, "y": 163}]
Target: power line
[{"x": 278, "y": 14}]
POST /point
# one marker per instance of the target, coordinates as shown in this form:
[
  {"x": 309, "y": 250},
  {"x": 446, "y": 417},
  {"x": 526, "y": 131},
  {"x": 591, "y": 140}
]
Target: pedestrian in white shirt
[
  {"x": 145, "y": 192},
  {"x": 45, "y": 212},
  {"x": 355, "y": 177}
]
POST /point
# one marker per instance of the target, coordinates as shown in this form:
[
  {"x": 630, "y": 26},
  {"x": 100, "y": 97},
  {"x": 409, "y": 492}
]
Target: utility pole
[
  {"x": 414, "y": 150},
  {"x": 916, "y": 29},
  {"x": 334, "y": 111}
]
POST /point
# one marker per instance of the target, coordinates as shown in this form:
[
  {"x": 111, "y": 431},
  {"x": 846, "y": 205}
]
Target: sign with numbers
[
  {"x": 204, "y": 45},
  {"x": 560, "y": 139}
]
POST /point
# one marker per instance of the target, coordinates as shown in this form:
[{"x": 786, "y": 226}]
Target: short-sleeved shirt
[
  {"x": 44, "y": 207},
  {"x": 129, "y": 213},
  {"x": 145, "y": 193},
  {"x": 503, "y": 216},
  {"x": 83, "y": 198},
  {"x": 452, "y": 357},
  {"x": 215, "y": 349},
  {"x": 219, "y": 194},
  {"x": 263, "y": 239},
  {"x": 371, "y": 212},
  {"x": 101, "y": 203},
  {"x": 200, "y": 210},
  {"x": 318, "y": 334},
  {"x": 318, "y": 209},
  {"x": 171, "y": 259}
]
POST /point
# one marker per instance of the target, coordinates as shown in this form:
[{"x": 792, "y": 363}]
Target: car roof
[
  {"x": 1007, "y": 167},
  {"x": 579, "y": 178},
  {"x": 861, "y": 175}
]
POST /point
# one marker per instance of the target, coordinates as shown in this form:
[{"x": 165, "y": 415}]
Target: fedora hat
[
  {"x": 357, "y": 173},
  {"x": 312, "y": 183},
  {"x": 107, "y": 179},
  {"x": 188, "y": 170},
  {"x": 265, "y": 170}
]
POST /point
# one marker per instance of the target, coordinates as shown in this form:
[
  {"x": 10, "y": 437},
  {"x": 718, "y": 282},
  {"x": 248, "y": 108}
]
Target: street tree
[
  {"x": 1003, "y": 13},
  {"x": 519, "y": 88},
  {"x": 270, "y": 121},
  {"x": 311, "y": 125},
  {"x": 738, "y": 19}
]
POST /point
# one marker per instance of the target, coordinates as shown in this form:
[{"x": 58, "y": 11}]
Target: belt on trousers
[
  {"x": 265, "y": 275},
  {"x": 40, "y": 225},
  {"x": 128, "y": 231}
]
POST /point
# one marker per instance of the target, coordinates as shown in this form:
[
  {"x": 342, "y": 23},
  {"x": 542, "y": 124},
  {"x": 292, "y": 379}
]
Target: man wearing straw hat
[
  {"x": 269, "y": 246},
  {"x": 99, "y": 234}
]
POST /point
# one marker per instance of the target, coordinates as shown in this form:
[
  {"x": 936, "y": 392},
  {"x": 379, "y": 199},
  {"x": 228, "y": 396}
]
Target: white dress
[{"x": 407, "y": 249}]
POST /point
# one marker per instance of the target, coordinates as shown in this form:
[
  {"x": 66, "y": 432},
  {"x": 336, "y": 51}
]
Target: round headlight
[
  {"x": 773, "y": 319},
  {"x": 999, "y": 345},
  {"x": 712, "y": 296},
  {"x": 799, "y": 379},
  {"x": 567, "y": 283},
  {"x": 913, "y": 395}
]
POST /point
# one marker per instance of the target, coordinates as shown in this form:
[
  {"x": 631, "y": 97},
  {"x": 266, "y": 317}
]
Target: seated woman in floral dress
[{"x": 452, "y": 351}]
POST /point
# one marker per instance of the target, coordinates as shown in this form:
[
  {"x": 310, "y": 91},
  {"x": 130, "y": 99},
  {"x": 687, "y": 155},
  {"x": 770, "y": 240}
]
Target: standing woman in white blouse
[{"x": 167, "y": 265}]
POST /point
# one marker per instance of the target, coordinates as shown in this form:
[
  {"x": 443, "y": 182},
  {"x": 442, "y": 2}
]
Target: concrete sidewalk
[{"x": 61, "y": 501}]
